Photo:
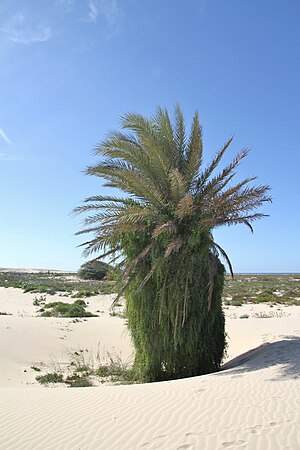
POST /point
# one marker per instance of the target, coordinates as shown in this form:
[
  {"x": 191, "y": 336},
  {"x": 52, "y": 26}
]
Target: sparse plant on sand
[
  {"x": 161, "y": 233},
  {"x": 52, "y": 377},
  {"x": 85, "y": 371},
  {"x": 38, "y": 301},
  {"x": 270, "y": 315}
]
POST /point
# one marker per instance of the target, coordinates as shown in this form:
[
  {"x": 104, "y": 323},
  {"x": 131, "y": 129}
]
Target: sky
[{"x": 70, "y": 68}]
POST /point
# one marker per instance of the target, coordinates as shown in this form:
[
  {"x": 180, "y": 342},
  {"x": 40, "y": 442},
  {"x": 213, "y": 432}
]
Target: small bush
[
  {"x": 76, "y": 381},
  {"x": 266, "y": 296},
  {"x": 38, "y": 301},
  {"x": 117, "y": 371},
  {"x": 53, "y": 377},
  {"x": 237, "y": 301},
  {"x": 61, "y": 309},
  {"x": 122, "y": 315},
  {"x": 29, "y": 288}
]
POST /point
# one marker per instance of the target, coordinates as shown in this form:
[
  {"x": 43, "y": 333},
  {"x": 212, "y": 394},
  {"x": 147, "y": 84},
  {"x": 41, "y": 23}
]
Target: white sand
[{"x": 254, "y": 403}]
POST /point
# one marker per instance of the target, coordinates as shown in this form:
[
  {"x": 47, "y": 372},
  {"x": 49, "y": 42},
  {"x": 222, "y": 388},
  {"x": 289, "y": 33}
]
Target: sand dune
[{"x": 253, "y": 403}]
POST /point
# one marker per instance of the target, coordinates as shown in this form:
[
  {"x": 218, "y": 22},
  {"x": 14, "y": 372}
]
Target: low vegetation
[
  {"x": 52, "y": 377},
  {"x": 262, "y": 288},
  {"x": 83, "y": 371},
  {"x": 51, "y": 283},
  {"x": 281, "y": 289},
  {"x": 61, "y": 309}
]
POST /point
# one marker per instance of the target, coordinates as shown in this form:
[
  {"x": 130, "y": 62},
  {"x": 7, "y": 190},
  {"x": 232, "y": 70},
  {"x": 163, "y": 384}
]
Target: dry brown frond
[
  {"x": 185, "y": 207},
  {"x": 177, "y": 184},
  {"x": 168, "y": 227},
  {"x": 150, "y": 273},
  {"x": 136, "y": 260},
  {"x": 174, "y": 245}
]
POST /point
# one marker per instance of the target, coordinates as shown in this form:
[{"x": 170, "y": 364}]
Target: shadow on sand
[{"x": 284, "y": 353}]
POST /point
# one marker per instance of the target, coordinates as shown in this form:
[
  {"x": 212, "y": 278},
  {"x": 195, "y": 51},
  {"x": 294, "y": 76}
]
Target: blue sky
[{"x": 70, "y": 68}]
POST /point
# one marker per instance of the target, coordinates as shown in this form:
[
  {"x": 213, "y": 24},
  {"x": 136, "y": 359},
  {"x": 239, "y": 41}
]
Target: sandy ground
[{"x": 254, "y": 403}]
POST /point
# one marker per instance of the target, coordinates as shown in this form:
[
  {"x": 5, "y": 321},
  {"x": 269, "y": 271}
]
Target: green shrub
[
  {"x": 61, "y": 309},
  {"x": 266, "y": 296},
  {"x": 237, "y": 300},
  {"x": 76, "y": 381},
  {"x": 117, "y": 371},
  {"x": 53, "y": 377},
  {"x": 29, "y": 288}
]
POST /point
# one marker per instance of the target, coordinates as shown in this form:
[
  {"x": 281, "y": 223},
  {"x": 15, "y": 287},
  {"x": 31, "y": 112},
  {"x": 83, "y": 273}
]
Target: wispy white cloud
[
  {"x": 8, "y": 157},
  {"x": 93, "y": 10},
  {"x": 5, "y": 137},
  {"x": 110, "y": 11},
  {"x": 66, "y": 5},
  {"x": 19, "y": 30}
]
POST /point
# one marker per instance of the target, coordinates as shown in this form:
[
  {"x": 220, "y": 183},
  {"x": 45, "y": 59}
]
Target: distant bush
[
  {"x": 237, "y": 300},
  {"x": 94, "y": 270},
  {"x": 266, "y": 296},
  {"x": 83, "y": 294}
]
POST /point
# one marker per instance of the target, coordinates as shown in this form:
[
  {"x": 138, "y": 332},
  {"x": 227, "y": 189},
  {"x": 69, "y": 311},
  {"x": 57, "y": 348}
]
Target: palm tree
[{"x": 161, "y": 233}]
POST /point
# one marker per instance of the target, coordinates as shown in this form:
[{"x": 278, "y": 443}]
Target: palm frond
[
  {"x": 212, "y": 271},
  {"x": 128, "y": 148},
  {"x": 207, "y": 172},
  {"x": 218, "y": 183},
  {"x": 179, "y": 135},
  {"x": 147, "y": 133},
  {"x": 224, "y": 255},
  {"x": 165, "y": 135},
  {"x": 194, "y": 153},
  {"x": 130, "y": 180}
]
